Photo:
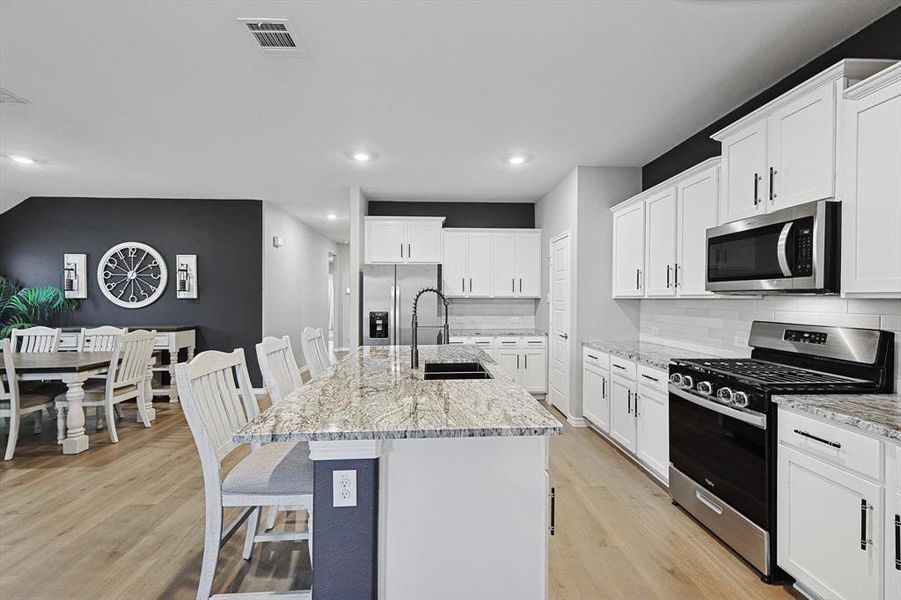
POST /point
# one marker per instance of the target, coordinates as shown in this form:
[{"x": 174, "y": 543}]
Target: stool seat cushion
[{"x": 280, "y": 468}]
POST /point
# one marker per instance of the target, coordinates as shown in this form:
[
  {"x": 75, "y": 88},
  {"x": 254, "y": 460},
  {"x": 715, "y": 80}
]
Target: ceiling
[{"x": 139, "y": 99}]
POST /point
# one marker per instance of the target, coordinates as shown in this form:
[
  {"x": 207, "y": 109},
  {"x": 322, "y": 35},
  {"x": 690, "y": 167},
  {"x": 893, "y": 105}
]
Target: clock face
[{"x": 132, "y": 275}]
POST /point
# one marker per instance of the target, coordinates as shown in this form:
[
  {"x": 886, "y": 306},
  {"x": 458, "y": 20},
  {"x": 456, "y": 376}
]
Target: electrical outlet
[{"x": 344, "y": 488}]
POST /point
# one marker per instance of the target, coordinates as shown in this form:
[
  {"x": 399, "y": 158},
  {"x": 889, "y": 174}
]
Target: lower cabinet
[
  {"x": 623, "y": 426},
  {"x": 595, "y": 396},
  {"x": 652, "y": 415},
  {"x": 524, "y": 358}
]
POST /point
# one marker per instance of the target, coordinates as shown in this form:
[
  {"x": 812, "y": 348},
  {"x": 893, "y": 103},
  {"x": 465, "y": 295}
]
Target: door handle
[
  {"x": 676, "y": 283},
  {"x": 772, "y": 184},
  {"x": 864, "y": 508},
  {"x": 520, "y": 285},
  {"x": 756, "y": 180},
  {"x": 667, "y": 276},
  {"x": 401, "y": 249},
  {"x": 603, "y": 387},
  {"x": 781, "y": 252},
  {"x": 526, "y": 356},
  {"x": 635, "y": 412},
  {"x": 409, "y": 254},
  {"x": 470, "y": 284},
  {"x": 513, "y": 284},
  {"x": 898, "y": 542},
  {"x": 628, "y": 402},
  {"x": 637, "y": 279},
  {"x": 517, "y": 362},
  {"x": 463, "y": 283},
  {"x": 553, "y": 508}
]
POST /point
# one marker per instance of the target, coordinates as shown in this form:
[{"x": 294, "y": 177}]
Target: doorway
[{"x": 560, "y": 316}]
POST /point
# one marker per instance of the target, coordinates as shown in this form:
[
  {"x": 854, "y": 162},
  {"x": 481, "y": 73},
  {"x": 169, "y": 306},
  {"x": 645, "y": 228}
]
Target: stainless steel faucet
[{"x": 414, "y": 344}]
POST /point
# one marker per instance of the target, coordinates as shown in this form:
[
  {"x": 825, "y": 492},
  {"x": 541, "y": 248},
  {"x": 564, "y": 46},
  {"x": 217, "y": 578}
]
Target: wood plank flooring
[{"x": 125, "y": 521}]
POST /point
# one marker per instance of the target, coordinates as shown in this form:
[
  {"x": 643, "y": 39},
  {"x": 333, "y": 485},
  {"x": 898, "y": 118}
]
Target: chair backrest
[
  {"x": 314, "y": 350},
  {"x": 35, "y": 339},
  {"x": 9, "y": 385},
  {"x": 217, "y": 398},
  {"x": 131, "y": 359},
  {"x": 99, "y": 339},
  {"x": 281, "y": 375}
]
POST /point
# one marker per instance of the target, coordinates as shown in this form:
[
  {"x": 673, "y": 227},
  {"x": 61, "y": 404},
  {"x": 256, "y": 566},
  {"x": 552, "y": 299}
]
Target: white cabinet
[
  {"x": 660, "y": 249},
  {"x": 697, "y": 207},
  {"x": 523, "y": 358},
  {"x": 503, "y": 265},
  {"x": 528, "y": 264},
  {"x": 870, "y": 185},
  {"x": 623, "y": 426},
  {"x": 455, "y": 266},
  {"x": 492, "y": 263},
  {"x": 628, "y": 250},
  {"x": 652, "y": 415},
  {"x": 783, "y": 154},
  {"x": 534, "y": 370},
  {"x": 415, "y": 240},
  {"x": 892, "y": 533},
  {"x": 596, "y": 389},
  {"x": 479, "y": 269}
]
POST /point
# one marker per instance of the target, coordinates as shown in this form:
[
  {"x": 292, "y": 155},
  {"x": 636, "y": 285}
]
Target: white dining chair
[
  {"x": 314, "y": 350},
  {"x": 281, "y": 376},
  {"x": 218, "y": 400},
  {"x": 99, "y": 339},
  {"x": 125, "y": 380},
  {"x": 15, "y": 405},
  {"x": 35, "y": 339}
]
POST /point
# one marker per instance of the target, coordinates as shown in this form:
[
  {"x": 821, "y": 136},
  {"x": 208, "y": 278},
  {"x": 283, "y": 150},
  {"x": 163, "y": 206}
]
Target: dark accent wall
[
  {"x": 226, "y": 236},
  {"x": 519, "y": 215},
  {"x": 880, "y": 39}
]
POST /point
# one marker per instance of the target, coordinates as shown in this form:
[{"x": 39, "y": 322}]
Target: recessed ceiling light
[
  {"x": 517, "y": 159},
  {"x": 22, "y": 160},
  {"x": 361, "y": 156},
  {"x": 331, "y": 216}
]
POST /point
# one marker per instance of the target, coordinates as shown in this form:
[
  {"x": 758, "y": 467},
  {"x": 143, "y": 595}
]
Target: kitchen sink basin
[{"x": 455, "y": 370}]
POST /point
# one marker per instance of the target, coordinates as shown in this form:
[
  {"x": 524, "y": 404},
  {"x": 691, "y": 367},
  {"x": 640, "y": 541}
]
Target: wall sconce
[
  {"x": 186, "y": 275},
  {"x": 75, "y": 285}
]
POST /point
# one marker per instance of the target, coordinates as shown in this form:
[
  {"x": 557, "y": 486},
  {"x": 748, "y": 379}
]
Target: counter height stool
[
  {"x": 314, "y": 350},
  {"x": 218, "y": 400}
]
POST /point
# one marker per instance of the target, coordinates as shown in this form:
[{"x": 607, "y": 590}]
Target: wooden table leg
[{"x": 76, "y": 441}]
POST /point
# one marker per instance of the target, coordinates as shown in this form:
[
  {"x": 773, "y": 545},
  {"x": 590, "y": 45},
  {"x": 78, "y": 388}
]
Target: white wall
[
  {"x": 347, "y": 322},
  {"x": 557, "y": 212},
  {"x": 295, "y": 278}
]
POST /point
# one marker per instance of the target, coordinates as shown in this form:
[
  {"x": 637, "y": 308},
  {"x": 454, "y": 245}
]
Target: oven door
[{"x": 723, "y": 450}]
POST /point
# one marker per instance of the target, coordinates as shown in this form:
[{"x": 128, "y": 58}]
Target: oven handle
[
  {"x": 755, "y": 419},
  {"x": 780, "y": 249}
]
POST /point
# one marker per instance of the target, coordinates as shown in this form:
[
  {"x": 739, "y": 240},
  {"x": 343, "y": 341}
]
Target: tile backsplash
[
  {"x": 492, "y": 313},
  {"x": 720, "y": 326}
]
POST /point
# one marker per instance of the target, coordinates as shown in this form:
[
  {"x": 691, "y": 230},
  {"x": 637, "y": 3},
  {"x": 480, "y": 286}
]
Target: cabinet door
[
  {"x": 628, "y": 251},
  {"x": 871, "y": 192},
  {"x": 479, "y": 265},
  {"x": 423, "y": 241},
  {"x": 508, "y": 359},
  {"x": 528, "y": 264},
  {"x": 385, "y": 241},
  {"x": 801, "y": 150},
  {"x": 534, "y": 370},
  {"x": 595, "y": 406},
  {"x": 503, "y": 265},
  {"x": 653, "y": 430},
  {"x": 622, "y": 418},
  {"x": 660, "y": 248},
  {"x": 893, "y": 544},
  {"x": 825, "y": 528},
  {"x": 744, "y": 172},
  {"x": 697, "y": 212},
  {"x": 453, "y": 268}
]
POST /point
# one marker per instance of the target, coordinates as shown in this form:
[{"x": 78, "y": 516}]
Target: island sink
[{"x": 455, "y": 370}]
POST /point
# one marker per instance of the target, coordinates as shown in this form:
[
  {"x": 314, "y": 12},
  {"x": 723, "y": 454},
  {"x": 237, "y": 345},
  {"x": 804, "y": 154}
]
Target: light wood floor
[{"x": 125, "y": 521}]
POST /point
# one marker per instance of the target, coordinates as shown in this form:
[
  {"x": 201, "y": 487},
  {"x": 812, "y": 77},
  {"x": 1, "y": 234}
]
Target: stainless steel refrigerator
[{"x": 388, "y": 292}]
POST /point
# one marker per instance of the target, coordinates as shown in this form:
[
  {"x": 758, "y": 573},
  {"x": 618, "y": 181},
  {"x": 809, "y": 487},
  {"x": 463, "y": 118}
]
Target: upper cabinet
[
  {"x": 659, "y": 236},
  {"x": 783, "y": 154},
  {"x": 869, "y": 185},
  {"x": 402, "y": 240},
  {"x": 492, "y": 263}
]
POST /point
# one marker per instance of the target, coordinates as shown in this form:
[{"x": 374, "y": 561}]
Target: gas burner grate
[{"x": 773, "y": 373}]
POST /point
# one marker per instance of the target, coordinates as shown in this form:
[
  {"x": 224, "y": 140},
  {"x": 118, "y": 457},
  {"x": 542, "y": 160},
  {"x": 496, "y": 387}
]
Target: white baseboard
[{"x": 577, "y": 421}]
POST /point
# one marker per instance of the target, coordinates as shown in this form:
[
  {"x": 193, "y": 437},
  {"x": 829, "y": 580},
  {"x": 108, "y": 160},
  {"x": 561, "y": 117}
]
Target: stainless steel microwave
[{"x": 793, "y": 250}]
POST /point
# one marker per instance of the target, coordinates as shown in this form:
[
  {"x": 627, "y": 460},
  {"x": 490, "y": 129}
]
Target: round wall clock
[{"x": 132, "y": 275}]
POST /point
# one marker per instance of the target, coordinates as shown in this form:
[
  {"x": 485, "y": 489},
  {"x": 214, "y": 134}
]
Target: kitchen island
[{"x": 452, "y": 489}]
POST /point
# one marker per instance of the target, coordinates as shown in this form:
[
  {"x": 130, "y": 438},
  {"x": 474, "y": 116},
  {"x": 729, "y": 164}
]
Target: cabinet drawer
[
  {"x": 534, "y": 342},
  {"x": 161, "y": 341},
  {"x": 482, "y": 342},
  {"x": 831, "y": 443},
  {"x": 456, "y": 339},
  {"x": 68, "y": 340},
  {"x": 590, "y": 356},
  {"x": 652, "y": 378},
  {"x": 622, "y": 367},
  {"x": 507, "y": 342}
]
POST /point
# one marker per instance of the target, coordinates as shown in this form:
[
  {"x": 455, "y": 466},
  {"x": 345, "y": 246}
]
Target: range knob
[
  {"x": 687, "y": 382},
  {"x": 740, "y": 399},
  {"x": 705, "y": 388},
  {"x": 675, "y": 379},
  {"x": 724, "y": 394}
]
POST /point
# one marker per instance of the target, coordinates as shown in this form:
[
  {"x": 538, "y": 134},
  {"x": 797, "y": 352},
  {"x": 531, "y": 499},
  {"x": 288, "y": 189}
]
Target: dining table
[{"x": 72, "y": 369}]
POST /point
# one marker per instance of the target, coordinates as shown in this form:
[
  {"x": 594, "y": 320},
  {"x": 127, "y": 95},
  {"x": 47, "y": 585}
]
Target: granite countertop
[
  {"x": 374, "y": 394},
  {"x": 879, "y": 414},
  {"x": 649, "y": 354},
  {"x": 497, "y": 332}
]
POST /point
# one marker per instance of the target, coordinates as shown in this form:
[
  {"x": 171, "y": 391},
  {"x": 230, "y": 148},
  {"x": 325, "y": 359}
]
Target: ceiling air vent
[
  {"x": 274, "y": 36},
  {"x": 7, "y": 97}
]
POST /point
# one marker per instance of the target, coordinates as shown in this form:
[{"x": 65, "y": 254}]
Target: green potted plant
[{"x": 26, "y": 307}]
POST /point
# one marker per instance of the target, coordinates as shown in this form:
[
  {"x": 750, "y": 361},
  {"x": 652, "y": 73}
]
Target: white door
[
  {"x": 628, "y": 251},
  {"x": 801, "y": 150},
  {"x": 503, "y": 261},
  {"x": 528, "y": 264},
  {"x": 479, "y": 264},
  {"x": 508, "y": 359},
  {"x": 652, "y": 408},
  {"x": 697, "y": 213},
  {"x": 560, "y": 303},
  {"x": 385, "y": 241},
  {"x": 453, "y": 269},
  {"x": 534, "y": 370},
  {"x": 744, "y": 171},
  {"x": 595, "y": 407},
  {"x": 423, "y": 241},
  {"x": 823, "y": 514},
  {"x": 871, "y": 192},
  {"x": 622, "y": 419},
  {"x": 660, "y": 248}
]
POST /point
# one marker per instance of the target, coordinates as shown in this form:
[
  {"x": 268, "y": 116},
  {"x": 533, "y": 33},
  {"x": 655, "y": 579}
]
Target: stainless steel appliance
[
  {"x": 795, "y": 250},
  {"x": 388, "y": 292},
  {"x": 722, "y": 423}
]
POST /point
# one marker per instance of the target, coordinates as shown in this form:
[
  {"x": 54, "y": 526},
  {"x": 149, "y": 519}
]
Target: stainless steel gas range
[{"x": 722, "y": 424}]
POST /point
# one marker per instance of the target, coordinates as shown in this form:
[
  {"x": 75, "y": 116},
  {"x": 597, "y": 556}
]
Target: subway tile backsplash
[
  {"x": 720, "y": 326},
  {"x": 492, "y": 313}
]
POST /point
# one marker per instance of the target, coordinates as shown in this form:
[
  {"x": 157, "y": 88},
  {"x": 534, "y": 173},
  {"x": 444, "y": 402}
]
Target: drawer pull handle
[
  {"x": 618, "y": 366},
  {"x": 898, "y": 542},
  {"x": 708, "y": 503},
  {"x": 864, "y": 507},
  {"x": 592, "y": 356},
  {"x": 649, "y": 377},
  {"x": 818, "y": 439}
]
